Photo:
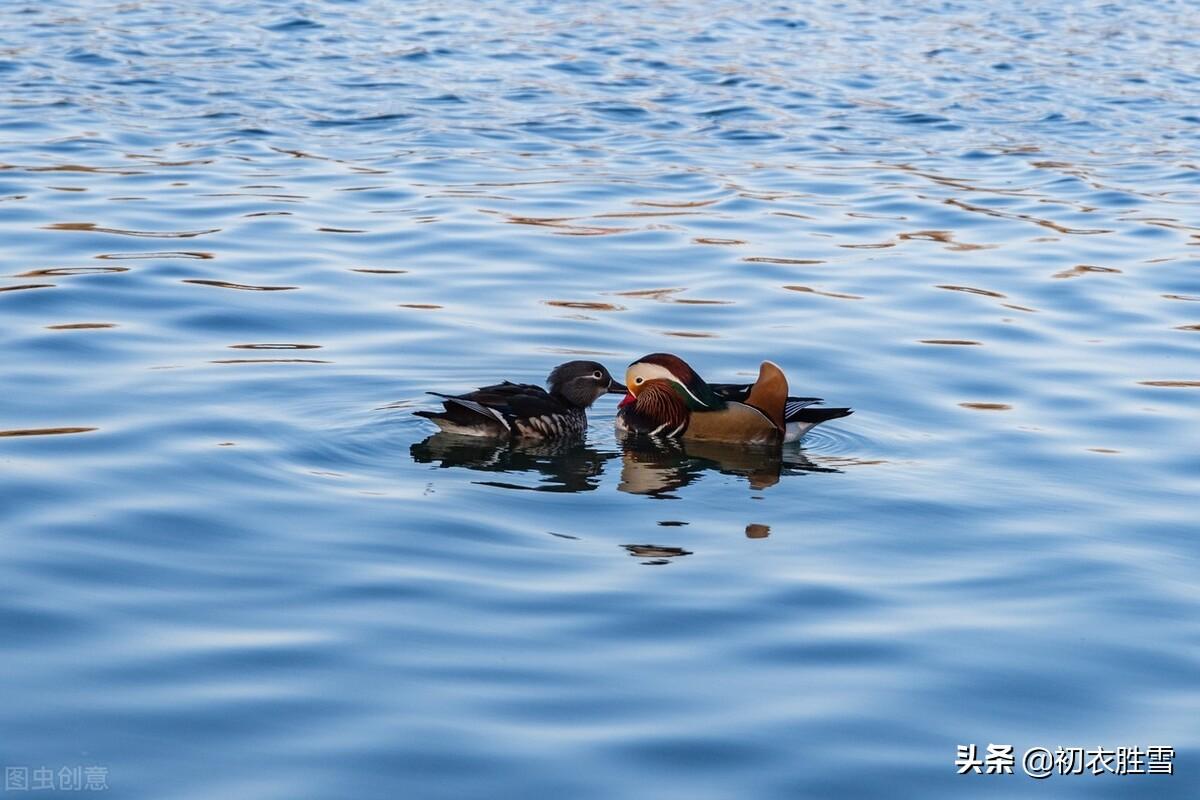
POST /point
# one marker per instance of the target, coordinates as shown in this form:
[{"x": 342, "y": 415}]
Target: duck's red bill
[{"x": 628, "y": 399}]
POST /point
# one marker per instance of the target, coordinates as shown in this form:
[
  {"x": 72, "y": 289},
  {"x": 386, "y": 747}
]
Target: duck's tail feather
[
  {"x": 467, "y": 417},
  {"x": 817, "y": 415},
  {"x": 804, "y": 420},
  {"x": 795, "y": 404}
]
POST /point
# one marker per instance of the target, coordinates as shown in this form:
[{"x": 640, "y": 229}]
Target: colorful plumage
[{"x": 668, "y": 399}]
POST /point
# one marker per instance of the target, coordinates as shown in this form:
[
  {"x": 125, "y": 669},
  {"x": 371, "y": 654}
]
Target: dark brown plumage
[{"x": 523, "y": 410}]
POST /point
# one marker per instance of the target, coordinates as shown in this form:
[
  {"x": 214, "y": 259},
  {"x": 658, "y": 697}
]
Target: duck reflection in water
[
  {"x": 658, "y": 467},
  {"x": 562, "y": 465},
  {"x": 651, "y": 467}
]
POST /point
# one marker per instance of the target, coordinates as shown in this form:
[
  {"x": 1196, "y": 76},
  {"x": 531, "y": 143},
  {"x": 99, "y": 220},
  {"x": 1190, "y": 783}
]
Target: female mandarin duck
[
  {"x": 667, "y": 398},
  {"x": 522, "y": 410}
]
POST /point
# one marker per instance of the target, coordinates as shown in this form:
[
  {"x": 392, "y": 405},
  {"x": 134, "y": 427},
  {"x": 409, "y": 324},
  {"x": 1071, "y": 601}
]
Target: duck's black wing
[
  {"x": 793, "y": 410},
  {"x": 493, "y": 410}
]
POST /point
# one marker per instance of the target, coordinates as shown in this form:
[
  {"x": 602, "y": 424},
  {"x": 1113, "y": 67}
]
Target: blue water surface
[{"x": 240, "y": 240}]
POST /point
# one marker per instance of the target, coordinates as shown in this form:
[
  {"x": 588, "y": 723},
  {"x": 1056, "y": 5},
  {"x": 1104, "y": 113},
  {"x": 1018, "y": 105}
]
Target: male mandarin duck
[
  {"x": 667, "y": 398},
  {"x": 522, "y": 410}
]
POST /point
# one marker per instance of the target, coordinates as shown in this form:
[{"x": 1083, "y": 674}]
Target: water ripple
[{"x": 974, "y": 224}]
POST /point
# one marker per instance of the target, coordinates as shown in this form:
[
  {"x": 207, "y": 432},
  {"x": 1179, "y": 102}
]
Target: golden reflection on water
[
  {"x": 157, "y": 255},
  {"x": 811, "y": 290},
  {"x": 635, "y": 214},
  {"x": 23, "y": 286},
  {"x": 269, "y": 361},
  {"x": 655, "y": 294},
  {"x": 70, "y": 271},
  {"x": 946, "y": 238},
  {"x": 953, "y": 342},
  {"x": 1045, "y": 223},
  {"x": 691, "y": 334},
  {"x": 80, "y": 326},
  {"x": 987, "y": 406},
  {"x": 674, "y": 203},
  {"x": 82, "y": 168},
  {"x": 563, "y": 226},
  {"x": 1083, "y": 269},
  {"x": 773, "y": 260},
  {"x": 711, "y": 240},
  {"x": 91, "y": 226},
  {"x": 1172, "y": 384},
  {"x": 970, "y": 290},
  {"x": 584, "y": 304},
  {"x": 668, "y": 296},
  {"x": 242, "y": 286},
  {"x": 45, "y": 431}
]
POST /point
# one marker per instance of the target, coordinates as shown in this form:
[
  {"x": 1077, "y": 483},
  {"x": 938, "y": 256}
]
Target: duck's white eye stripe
[{"x": 654, "y": 371}]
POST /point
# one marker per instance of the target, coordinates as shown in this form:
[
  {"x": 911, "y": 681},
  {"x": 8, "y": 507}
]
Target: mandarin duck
[
  {"x": 522, "y": 410},
  {"x": 667, "y": 398}
]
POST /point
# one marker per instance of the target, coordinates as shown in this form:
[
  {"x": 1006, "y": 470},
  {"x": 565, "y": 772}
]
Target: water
[{"x": 241, "y": 240}]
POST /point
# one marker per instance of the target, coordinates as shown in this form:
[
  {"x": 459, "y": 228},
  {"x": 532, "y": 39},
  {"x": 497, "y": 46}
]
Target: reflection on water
[
  {"x": 229, "y": 285},
  {"x": 975, "y": 223},
  {"x": 655, "y": 555},
  {"x": 44, "y": 431},
  {"x": 660, "y": 468},
  {"x": 555, "y": 465},
  {"x": 656, "y": 468}
]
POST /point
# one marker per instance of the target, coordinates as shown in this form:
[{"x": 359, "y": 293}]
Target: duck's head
[
  {"x": 674, "y": 372},
  {"x": 580, "y": 383}
]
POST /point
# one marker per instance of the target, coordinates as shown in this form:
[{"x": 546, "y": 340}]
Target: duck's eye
[
  {"x": 638, "y": 381},
  {"x": 597, "y": 375}
]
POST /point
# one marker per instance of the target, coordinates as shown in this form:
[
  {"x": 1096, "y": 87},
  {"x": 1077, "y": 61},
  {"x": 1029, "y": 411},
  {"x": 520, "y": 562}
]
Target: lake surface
[{"x": 240, "y": 240}]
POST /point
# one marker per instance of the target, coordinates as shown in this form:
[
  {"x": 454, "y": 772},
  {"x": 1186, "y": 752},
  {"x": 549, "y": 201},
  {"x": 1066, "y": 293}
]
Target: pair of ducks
[{"x": 664, "y": 397}]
